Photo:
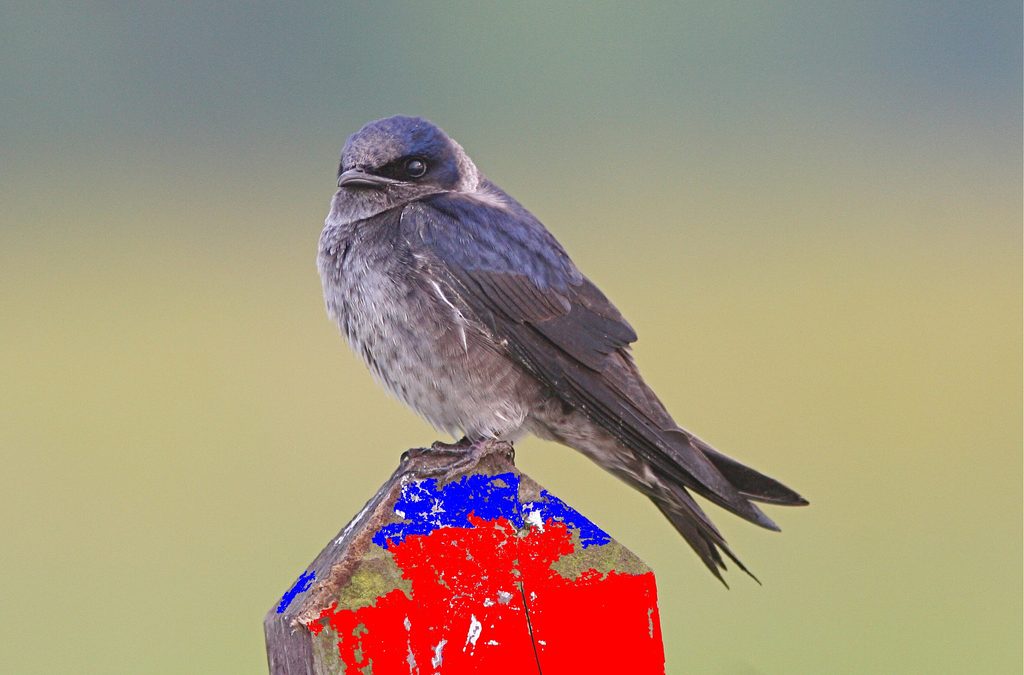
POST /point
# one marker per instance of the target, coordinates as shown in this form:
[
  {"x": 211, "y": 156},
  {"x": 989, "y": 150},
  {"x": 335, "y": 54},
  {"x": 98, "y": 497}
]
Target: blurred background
[{"x": 811, "y": 213}]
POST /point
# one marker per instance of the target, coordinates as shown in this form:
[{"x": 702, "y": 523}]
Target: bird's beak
[{"x": 360, "y": 179}]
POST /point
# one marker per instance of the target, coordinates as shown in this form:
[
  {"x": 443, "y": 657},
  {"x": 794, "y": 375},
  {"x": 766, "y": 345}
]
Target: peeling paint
[
  {"x": 438, "y": 658},
  {"x": 475, "y": 629},
  {"x": 301, "y": 585},
  {"x": 459, "y": 549},
  {"x": 427, "y": 506},
  {"x": 411, "y": 659}
]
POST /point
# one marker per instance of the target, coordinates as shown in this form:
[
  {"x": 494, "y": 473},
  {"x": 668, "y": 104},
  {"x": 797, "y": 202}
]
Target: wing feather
[{"x": 515, "y": 277}]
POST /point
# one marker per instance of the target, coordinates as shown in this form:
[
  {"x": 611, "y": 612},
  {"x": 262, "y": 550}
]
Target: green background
[{"x": 811, "y": 213}]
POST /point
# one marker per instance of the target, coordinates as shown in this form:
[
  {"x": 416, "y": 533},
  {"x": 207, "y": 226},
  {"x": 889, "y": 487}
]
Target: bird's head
[{"x": 392, "y": 161}]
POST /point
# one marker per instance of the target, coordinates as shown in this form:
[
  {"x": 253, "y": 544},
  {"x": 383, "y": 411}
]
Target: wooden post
[{"x": 485, "y": 572}]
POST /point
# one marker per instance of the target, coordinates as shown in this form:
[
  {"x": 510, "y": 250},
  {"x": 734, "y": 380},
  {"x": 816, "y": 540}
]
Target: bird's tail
[
  {"x": 692, "y": 523},
  {"x": 676, "y": 504},
  {"x": 750, "y": 483}
]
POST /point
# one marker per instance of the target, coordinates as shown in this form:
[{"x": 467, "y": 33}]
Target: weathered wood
[{"x": 457, "y": 573}]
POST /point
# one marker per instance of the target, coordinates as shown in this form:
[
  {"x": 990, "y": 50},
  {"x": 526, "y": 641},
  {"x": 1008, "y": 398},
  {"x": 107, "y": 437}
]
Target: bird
[{"x": 468, "y": 310}]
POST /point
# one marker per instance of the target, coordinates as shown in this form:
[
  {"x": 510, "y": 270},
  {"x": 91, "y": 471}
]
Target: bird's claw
[{"x": 454, "y": 458}]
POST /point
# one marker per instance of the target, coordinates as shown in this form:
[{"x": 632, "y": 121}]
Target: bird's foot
[
  {"x": 456, "y": 449},
  {"x": 438, "y": 449},
  {"x": 445, "y": 461}
]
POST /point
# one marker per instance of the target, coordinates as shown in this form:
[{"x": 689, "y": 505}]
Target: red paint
[{"x": 594, "y": 624}]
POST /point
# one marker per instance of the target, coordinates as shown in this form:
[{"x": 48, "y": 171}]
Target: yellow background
[{"x": 810, "y": 213}]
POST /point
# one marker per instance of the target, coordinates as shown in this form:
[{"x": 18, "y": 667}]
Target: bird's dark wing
[{"x": 514, "y": 277}]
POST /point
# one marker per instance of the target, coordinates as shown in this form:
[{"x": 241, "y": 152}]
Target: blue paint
[
  {"x": 301, "y": 585},
  {"x": 553, "y": 508},
  {"x": 424, "y": 507}
]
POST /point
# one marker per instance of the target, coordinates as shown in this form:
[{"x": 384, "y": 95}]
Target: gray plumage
[{"x": 468, "y": 310}]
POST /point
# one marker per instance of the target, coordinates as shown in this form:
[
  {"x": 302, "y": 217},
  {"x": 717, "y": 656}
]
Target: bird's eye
[{"x": 415, "y": 168}]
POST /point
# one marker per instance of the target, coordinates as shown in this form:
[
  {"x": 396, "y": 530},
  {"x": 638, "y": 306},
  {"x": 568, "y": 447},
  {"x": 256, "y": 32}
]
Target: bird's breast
[{"x": 408, "y": 327}]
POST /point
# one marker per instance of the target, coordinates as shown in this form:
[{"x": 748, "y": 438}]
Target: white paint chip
[
  {"x": 438, "y": 659},
  {"x": 351, "y": 526},
  {"x": 504, "y": 597},
  {"x": 534, "y": 518},
  {"x": 411, "y": 660},
  {"x": 475, "y": 628}
]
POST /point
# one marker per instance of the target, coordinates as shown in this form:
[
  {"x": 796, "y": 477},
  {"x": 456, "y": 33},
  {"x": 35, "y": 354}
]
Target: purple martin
[{"x": 468, "y": 310}]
